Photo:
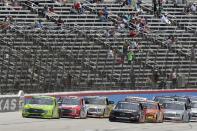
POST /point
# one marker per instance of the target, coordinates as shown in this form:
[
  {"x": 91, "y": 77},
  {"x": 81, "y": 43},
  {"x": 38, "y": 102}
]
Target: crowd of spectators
[
  {"x": 132, "y": 22},
  {"x": 173, "y": 79}
]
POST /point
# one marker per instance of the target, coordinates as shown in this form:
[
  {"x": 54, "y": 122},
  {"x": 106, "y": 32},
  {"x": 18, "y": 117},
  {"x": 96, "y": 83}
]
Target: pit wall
[{"x": 121, "y": 94}]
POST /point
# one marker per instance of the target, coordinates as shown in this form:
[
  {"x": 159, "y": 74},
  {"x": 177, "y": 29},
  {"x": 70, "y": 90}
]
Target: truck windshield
[
  {"x": 173, "y": 106},
  {"x": 150, "y": 105},
  {"x": 71, "y": 101},
  {"x": 96, "y": 101},
  {"x": 41, "y": 101},
  {"x": 162, "y": 100},
  {"x": 127, "y": 106}
]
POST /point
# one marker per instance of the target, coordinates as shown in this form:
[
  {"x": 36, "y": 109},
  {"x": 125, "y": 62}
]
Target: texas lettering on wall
[{"x": 9, "y": 104}]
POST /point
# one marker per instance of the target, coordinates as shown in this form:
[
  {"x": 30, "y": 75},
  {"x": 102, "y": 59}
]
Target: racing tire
[
  {"x": 157, "y": 120},
  {"x": 111, "y": 120},
  {"x": 161, "y": 121},
  {"x": 141, "y": 120},
  {"x": 185, "y": 120},
  {"x": 104, "y": 114},
  {"x": 83, "y": 114},
  {"x": 24, "y": 116},
  {"x": 59, "y": 115}
]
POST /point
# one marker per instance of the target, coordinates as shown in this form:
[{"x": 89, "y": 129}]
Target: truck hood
[
  {"x": 151, "y": 111},
  {"x": 35, "y": 106},
  {"x": 68, "y": 106}
]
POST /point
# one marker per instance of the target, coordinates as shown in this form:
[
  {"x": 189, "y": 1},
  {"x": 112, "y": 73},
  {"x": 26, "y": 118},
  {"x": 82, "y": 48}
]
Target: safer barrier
[
  {"x": 11, "y": 103},
  {"x": 15, "y": 102},
  {"x": 117, "y": 95}
]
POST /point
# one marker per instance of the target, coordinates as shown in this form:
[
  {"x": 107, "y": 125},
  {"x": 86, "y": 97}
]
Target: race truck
[
  {"x": 73, "y": 107},
  {"x": 42, "y": 107},
  {"x": 98, "y": 106}
]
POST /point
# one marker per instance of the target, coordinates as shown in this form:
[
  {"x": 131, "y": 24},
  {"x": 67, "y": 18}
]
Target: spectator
[
  {"x": 78, "y": 7},
  {"x": 132, "y": 24},
  {"x": 187, "y": 9},
  {"x": 138, "y": 6},
  {"x": 125, "y": 3},
  {"x": 38, "y": 25},
  {"x": 51, "y": 13},
  {"x": 6, "y": 3},
  {"x": 155, "y": 76},
  {"x": 120, "y": 59},
  {"x": 15, "y": 5},
  {"x": 6, "y": 24},
  {"x": 165, "y": 19},
  {"x": 101, "y": 15},
  {"x": 139, "y": 2},
  {"x": 68, "y": 80},
  {"x": 125, "y": 48},
  {"x": 144, "y": 26},
  {"x": 170, "y": 41},
  {"x": 130, "y": 56},
  {"x": 73, "y": 10},
  {"x": 133, "y": 33},
  {"x": 168, "y": 81},
  {"x": 173, "y": 78},
  {"x": 154, "y": 2},
  {"x": 160, "y": 9},
  {"x": 60, "y": 23},
  {"x": 134, "y": 46},
  {"x": 193, "y": 53},
  {"x": 51, "y": 9},
  {"x": 139, "y": 9},
  {"x": 127, "y": 19},
  {"x": 110, "y": 32},
  {"x": 175, "y": 3},
  {"x": 120, "y": 24},
  {"x": 193, "y": 8},
  {"x": 43, "y": 12},
  {"x": 106, "y": 13},
  {"x": 110, "y": 53}
]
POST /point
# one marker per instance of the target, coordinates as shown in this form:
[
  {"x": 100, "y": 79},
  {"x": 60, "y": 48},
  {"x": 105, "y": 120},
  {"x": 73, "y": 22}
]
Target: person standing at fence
[
  {"x": 160, "y": 8},
  {"x": 60, "y": 23},
  {"x": 155, "y": 77},
  {"x": 106, "y": 13},
  {"x": 154, "y": 2},
  {"x": 193, "y": 53},
  {"x": 174, "y": 78}
]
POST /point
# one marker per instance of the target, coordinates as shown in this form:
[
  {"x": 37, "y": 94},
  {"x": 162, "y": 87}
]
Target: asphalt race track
[{"x": 14, "y": 122}]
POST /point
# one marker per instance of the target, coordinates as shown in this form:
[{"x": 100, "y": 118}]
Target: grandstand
[{"x": 76, "y": 57}]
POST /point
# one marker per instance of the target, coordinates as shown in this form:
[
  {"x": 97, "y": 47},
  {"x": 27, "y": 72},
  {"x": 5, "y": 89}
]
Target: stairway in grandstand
[{"x": 40, "y": 61}]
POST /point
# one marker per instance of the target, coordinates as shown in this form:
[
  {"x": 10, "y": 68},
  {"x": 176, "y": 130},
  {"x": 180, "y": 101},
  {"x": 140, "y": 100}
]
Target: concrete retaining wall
[{"x": 118, "y": 95}]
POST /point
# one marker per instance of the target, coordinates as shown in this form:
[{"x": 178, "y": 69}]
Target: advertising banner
[{"x": 9, "y": 104}]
